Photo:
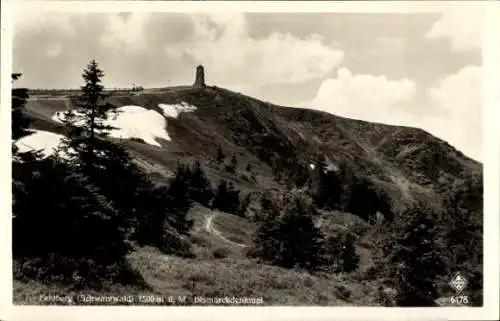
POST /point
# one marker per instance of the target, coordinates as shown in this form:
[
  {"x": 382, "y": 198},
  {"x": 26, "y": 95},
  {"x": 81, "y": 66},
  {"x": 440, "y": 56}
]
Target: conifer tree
[
  {"x": 462, "y": 231},
  {"x": 243, "y": 205},
  {"x": 178, "y": 200},
  {"x": 326, "y": 187},
  {"x": 266, "y": 203},
  {"x": 233, "y": 199},
  {"x": 332, "y": 253},
  {"x": 220, "y": 155},
  {"x": 362, "y": 198},
  {"x": 350, "y": 259},
  {"x": 200, "y": 189},
  {"x": 234, "y": 163},
  {"x": 226, "y": 198},
  {"x": 86, "y": 124},
  {"x": 76, "y": 221},
  {"x": 55, "y": 209},
  {"x": 268, "y": 208},
  {"x": 220, "y": 197},
  {"x": 109, "y": 166},
  {"x": 416, "y": 258},
  {"x": 290, "y": 239}
]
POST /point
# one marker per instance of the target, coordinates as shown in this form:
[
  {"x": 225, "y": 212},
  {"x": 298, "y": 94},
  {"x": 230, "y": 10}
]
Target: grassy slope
[
  {"x": 393, "y": 157},
  {"x": 231, "y": 276},
  {"x": 169, "y": 275}
]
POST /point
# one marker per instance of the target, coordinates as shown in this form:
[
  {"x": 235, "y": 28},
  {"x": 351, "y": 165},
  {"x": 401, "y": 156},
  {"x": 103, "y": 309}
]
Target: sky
[{"x": 419, "y": 70}]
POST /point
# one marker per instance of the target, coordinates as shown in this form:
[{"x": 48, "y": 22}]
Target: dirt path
[{"x": 210, "y": 229}]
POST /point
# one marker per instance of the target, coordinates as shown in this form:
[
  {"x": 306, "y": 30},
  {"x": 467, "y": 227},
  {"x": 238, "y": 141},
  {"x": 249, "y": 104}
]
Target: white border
[{"x": 491, "y": 158}]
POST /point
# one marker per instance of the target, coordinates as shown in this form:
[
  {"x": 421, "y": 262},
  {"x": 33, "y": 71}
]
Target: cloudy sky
[{"x": 419, "y": 70}]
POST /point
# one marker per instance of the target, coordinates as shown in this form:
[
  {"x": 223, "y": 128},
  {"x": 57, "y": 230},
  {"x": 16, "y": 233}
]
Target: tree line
[
  {"x": 415, "y": 254},
  {"x": 288, "y": 237},
  {"x": 343, "y": 188}
]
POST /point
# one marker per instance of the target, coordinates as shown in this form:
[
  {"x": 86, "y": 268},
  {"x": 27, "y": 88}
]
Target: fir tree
[
  {"x": 220, "y": 155},
  {"x": 326, "y": 187},
  {"x": 178, "y": 200},
  {"x": 416, "y": 258},
  {"x": 110, "y": 167},
  {"x": 87, "y": 122},
  {"x": 76, "y": 222},
  {"x": 349, "y": 257},
  {"x": 462, "y": 231},
  {"x": 234, "y": 163},
  {"x": 290, "y": 239},
  {"x": 243, "y": 205},
  {"x": 226, "y": 198},
  {"x": 362, "y": 198},
  {"x": 268, "y": 208},
  {"x": 332, "y": 253},
  {"x": 200, "y": 189},
  {"x": 233, "y": 199},
  {"x": 107, "y": 164}
]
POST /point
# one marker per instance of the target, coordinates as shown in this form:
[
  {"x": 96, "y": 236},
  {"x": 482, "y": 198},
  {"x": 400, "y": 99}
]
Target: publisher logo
[{"x": 458, "y": 283}]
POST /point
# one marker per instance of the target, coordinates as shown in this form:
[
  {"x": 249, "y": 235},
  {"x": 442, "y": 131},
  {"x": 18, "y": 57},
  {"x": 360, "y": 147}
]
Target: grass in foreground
[
  {"x": 234, "y": 228},
  {"x": 174, "y": 276}
]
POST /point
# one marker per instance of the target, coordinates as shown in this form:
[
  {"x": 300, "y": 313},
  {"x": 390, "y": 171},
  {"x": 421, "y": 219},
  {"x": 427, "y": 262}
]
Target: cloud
[
  {"x": 127, "y": 31},
  {"x": 460, "y": 96},
  {"x": 366, "y": 97},
  {"x": 221, "y": 43},
  {"x": 35, "y": 21},
  {"x": 461, "y": 26},
  {"x": 53, "y": 50},
  {"x": 453, "y": 106},
  {"x": 396, "y": 41}
]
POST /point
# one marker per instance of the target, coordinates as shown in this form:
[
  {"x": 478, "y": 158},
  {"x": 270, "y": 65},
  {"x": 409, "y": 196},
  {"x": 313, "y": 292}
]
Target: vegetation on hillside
[
  {"x": 82, "y": 216},
  {"x": 74, "y": 212},
  {"x": 288, "y": 237}
]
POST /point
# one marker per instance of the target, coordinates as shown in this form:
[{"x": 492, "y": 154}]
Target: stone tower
[{"x": 199, "y": 82}]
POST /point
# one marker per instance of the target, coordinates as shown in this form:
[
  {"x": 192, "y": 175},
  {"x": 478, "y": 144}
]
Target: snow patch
[
  {"x": 174, "y": 110},
  {"x": 39, "y": 140},
  {"x": 130, "y": 122}
]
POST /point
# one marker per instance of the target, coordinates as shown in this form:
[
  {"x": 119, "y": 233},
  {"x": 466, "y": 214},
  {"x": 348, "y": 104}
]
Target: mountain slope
[{"x": 408, "y": 164}]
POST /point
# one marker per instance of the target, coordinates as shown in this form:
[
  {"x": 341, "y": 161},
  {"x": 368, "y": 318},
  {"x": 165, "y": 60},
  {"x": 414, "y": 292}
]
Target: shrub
[
  {"x": 176, "y": 244},
  {"x": 332, "y": 254},
  {"x": 77, "y": 273},
  {"x": 220, "y": 253},
  {"x": 342, "y": 292}
]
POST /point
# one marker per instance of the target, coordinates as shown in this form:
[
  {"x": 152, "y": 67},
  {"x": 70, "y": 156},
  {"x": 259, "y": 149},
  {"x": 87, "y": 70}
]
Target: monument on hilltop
[{"x": 199, "y": 82}]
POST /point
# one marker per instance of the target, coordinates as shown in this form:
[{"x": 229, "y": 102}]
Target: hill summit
[{"x": 409, "y": 163}]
